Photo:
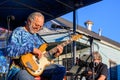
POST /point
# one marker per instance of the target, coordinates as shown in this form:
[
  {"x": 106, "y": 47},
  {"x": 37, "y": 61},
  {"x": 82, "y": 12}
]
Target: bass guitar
[{"x": 36, "y": 66}]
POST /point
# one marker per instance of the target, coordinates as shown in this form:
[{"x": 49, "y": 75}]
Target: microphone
[
  {"x": 59, "y": 26},
  {"x": 10, "y": 17}
]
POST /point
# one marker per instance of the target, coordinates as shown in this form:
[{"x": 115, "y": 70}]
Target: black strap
[{"x": 41, "y": 38}]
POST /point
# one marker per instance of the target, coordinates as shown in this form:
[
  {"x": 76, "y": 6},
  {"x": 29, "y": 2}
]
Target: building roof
[{"x": 89, "y": 33}]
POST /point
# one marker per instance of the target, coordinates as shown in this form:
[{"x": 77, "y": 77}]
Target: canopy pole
[{"x": 74, "y": 32}]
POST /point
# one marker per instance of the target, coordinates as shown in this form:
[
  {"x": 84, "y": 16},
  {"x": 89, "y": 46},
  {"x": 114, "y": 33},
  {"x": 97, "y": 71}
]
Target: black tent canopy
[{"x": 51, "y": 9}]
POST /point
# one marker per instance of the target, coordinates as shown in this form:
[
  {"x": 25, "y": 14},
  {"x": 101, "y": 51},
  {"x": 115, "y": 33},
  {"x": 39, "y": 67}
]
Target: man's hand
[
  {"x": 59, "y": 51},
  {"x": 37, "y": 52},
  {"x": 102, "y": 77}
]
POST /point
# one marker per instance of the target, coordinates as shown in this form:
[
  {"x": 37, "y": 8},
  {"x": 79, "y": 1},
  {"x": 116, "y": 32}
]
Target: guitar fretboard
[{"x": 54, "y": 50}]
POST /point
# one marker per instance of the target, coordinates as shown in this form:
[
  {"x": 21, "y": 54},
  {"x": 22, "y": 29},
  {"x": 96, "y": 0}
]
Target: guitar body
[{"x": 34, "y": 65}]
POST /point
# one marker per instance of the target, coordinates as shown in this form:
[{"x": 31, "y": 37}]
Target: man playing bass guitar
[{"x": 24, "y": 40}]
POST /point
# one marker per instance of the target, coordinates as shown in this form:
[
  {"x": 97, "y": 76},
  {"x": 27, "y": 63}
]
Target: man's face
[
  {"x": 36, "y": 24},
  {"x": 97, "y": 61}
]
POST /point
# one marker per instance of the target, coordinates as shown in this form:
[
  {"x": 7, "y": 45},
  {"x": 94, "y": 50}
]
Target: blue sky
[{"x": 104, "y": 14}]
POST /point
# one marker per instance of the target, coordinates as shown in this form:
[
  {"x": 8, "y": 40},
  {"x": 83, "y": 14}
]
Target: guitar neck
[{"x": 54, "y": 50}]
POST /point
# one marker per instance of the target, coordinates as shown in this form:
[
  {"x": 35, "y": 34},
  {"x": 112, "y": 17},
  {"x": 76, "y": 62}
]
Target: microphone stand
[
  {"x": 8, "y": 34},
  {"x": 92, "y": 57},
  {"x": 91, "y": 38},
  {"x": 8, "y": 27}
]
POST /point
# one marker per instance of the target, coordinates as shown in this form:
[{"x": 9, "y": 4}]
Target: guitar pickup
[{"x": 37, "y": 59}]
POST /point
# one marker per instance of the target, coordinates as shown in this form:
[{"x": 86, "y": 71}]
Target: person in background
[
  {"x": 25, "y": 39},
  {"x": 77, "y": 61},
  {"x": 100, "y": 69}
]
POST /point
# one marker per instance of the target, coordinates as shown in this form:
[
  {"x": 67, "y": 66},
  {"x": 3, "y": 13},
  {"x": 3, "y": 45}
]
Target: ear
[{"x": 28, "y": 22}]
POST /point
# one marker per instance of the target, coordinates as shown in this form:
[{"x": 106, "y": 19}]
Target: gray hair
[
  {"x": 34, "y": 14},
  {"x": 97, "y": 55}
]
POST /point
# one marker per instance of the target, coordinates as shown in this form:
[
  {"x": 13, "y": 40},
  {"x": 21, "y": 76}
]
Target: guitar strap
[{"x": 42, "y": 38}]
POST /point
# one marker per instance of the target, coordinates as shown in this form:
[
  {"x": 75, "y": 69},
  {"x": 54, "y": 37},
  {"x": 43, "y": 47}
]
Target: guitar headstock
[{"x": 76, "y": 37}]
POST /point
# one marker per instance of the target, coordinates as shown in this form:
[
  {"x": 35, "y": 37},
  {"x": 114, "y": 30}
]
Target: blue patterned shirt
[{"x": 21, "y": 42}]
